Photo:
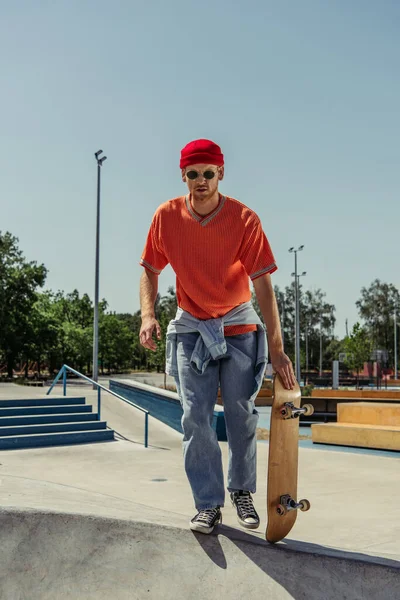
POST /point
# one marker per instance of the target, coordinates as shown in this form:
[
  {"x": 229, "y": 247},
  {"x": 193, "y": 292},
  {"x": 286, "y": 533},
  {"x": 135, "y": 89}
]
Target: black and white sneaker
[
  {"x": 246, "y": 513},
  {"x": 206, "y": 520}
]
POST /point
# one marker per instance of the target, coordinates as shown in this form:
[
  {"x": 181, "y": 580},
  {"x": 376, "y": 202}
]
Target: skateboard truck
[
  {"x": 290, "y": 411},
  {"x": 287, "y": 504}
]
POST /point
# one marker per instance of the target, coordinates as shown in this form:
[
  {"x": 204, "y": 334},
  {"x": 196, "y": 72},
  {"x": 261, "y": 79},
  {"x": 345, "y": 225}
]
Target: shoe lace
[
  {"x": 207, "y": 515},
  {"x": 245, "y": 505}
]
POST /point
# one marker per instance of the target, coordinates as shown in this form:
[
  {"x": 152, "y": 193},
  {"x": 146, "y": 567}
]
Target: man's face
[{"x": 202, "y": 187}]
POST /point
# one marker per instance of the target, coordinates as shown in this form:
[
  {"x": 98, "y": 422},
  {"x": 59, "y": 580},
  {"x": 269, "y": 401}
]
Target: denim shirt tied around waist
[{"x": 211, "y": 344}]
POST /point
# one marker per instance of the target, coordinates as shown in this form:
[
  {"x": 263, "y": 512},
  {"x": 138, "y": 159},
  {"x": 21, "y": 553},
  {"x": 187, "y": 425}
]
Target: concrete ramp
[{"x": 52, "y": 556}]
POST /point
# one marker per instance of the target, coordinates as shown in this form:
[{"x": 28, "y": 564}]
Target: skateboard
[{"x": 282, "y": 505}]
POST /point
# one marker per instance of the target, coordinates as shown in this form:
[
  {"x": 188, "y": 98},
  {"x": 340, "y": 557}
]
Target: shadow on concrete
[
  {"x": 52, "y": 446},
  {"x": 60, "y": 556},
  {"x": 307, "y": 570},
  {"x": 124, "y": 438}
]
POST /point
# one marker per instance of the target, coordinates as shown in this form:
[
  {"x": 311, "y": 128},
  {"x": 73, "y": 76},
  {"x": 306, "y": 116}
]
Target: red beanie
[{"x": 201, "y": 152}]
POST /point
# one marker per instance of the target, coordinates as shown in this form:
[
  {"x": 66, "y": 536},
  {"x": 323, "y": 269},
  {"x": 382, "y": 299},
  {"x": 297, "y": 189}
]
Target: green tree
[
  {"x": 19, "y": 281},
  {"x": 317, "y": 317},
  {"x": 358, "y": 348},
  {"x": 73, "y": 308},
  {"x": 139, "y": 355},
  {"x": 41, "y": 342},
  {"x": 165, "y": 304},
  {"x": 115, "y": 343},
  {"x": 376, "y": 307},
  {"x": 74, "y": 317},
  {"x": 77, "y": 345},
  {"x": 165, "y": 312},
  {"x": 157, "y": 358},
  {"x": 333, "y": 349}
]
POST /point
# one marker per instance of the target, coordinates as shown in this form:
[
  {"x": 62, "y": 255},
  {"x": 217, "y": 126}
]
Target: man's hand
[
  {"x": 149, "y": 324},
  {"x": 282, "y": 364}
]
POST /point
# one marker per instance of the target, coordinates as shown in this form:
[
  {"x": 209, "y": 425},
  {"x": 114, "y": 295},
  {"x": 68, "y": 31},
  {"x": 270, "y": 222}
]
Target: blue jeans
[{"x": 198, "y": 394}]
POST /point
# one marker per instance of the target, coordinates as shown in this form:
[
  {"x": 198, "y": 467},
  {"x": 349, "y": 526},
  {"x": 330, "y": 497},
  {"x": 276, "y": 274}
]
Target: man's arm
[
  {"x": 269, "y": 309},
  {"x": 148, "y": 295}
]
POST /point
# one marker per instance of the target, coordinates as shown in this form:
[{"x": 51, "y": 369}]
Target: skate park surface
[{"x": 112, "y": 519}]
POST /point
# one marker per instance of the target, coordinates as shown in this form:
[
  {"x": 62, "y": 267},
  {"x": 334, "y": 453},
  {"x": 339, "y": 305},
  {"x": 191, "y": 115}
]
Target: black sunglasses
[{"x": 195, "y": 174}]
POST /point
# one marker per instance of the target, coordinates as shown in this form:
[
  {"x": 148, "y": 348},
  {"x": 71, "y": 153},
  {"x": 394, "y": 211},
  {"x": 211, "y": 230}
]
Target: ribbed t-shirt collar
[{"x": 204, "y": 220}]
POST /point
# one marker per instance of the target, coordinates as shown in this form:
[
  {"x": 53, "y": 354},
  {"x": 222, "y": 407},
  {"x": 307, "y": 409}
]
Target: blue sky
[{"x": 303, "y": 97}]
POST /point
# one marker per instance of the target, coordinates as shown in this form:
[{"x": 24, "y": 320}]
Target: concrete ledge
[
  {"x": 357, "y": 435},
  {"x": 54, "y": 556},
  {"x": 163, "y": 404},
  {"x": 360, "y": 394},
  {"x": 369, "y": 413},
  {"x": 328, "y": 406}
]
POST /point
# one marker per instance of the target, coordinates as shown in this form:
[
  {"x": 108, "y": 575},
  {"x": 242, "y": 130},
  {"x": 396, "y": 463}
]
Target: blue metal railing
[{"x": 63, "y": 373}]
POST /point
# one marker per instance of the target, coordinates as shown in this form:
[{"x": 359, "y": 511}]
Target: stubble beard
[{"x": 204, "y": 197}]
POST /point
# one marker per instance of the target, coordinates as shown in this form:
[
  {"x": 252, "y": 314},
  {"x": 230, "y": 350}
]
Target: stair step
[
  {"x": 46, "y": 401},
  {"x": 45, "y": 410},
  {"x": 369, "y": 413},
  {"x": 37, "y": 420},
  {"x": 55, "y": 439},
  {"x": 52, "y": 428},
  {"x": 360, "y": 435}
]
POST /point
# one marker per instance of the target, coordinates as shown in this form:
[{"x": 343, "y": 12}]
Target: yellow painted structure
[
  {"x": 362, "y": 424},
  {"x": 363, "y": 436},
  {"x": 369, "y": 413}
]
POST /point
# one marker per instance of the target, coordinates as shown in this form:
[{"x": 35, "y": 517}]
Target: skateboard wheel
[
  {"x": 308, "y": 410},
  {"x": 304, "y": 505},
  {"x": 281, "y": 510}
]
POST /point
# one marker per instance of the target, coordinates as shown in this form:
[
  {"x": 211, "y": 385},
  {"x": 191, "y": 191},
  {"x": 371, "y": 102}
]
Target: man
[{"x": 214, "y": 244}]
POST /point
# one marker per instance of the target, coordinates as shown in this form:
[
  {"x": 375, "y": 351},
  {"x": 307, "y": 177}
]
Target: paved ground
[
  {"x": 124, "y": 512},
  {"x": 353, "y": 496}
]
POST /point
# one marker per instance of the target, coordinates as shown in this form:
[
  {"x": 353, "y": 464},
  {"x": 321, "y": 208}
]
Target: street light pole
[
  {"x": 298, "y": 320},
  {"x": 282, "y": 299},
  {"x": 95, "y": 374},
  {"x": 297, "y": 316},
  {"x": 307, "y": 346},
  {"x": 320, "y": 348},
  {"x": 395, "y": 343}
]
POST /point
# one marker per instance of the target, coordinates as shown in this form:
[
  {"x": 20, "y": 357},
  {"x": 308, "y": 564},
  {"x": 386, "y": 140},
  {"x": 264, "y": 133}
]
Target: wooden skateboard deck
[{"x": 282, "y": 502}]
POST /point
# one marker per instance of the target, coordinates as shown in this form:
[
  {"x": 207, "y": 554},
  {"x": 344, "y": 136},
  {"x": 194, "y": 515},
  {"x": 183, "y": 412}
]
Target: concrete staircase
[
  {"x": 362, "y": 424},
  {"x": 49, "y": 421}
]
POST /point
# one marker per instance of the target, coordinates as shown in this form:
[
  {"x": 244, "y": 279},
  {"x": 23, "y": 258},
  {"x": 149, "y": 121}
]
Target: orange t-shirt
[{"x": 213, "y": 256}]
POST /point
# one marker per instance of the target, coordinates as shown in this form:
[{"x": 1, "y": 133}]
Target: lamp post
[
  {"x": 306, "y": 347},
  {"x": 282, "y": 300},
  {"x": 320, "y": 348},
  {"x": 95, "y": 375},
  {"x": 395, "y": 342},
  {"x": 297, "y": 320}
]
